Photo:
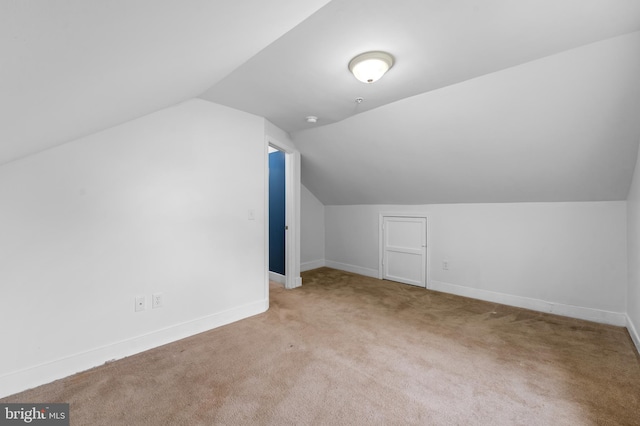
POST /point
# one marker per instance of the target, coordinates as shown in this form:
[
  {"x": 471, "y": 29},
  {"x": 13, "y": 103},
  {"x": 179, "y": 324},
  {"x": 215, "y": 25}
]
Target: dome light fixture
[{"x": 369, "y": 67}]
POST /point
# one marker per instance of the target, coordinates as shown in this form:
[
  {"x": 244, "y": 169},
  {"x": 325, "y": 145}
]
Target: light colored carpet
[{"x": 348, "y": 350}]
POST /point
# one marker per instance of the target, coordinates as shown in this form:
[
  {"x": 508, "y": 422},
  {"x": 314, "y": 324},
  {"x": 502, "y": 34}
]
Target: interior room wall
[
  {"x": 312, "y": 237},
  {"x": 156, "y": 205},
  {"x": 633, "y": 253},
  {"x": 566, "y": 258}
]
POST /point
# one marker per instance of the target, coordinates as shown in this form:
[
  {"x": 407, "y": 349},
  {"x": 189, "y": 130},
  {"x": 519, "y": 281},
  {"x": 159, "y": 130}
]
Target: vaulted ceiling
[
  {"x": 69, "y": 68},
  {"x": 562, "y": 128},
  {"x": 492, "y": 101}
]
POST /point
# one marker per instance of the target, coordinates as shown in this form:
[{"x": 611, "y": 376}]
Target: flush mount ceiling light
[{"x": 370, "y": 66}]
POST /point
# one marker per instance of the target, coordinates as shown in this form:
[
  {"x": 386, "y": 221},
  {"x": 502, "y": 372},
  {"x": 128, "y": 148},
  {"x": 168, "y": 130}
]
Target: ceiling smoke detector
[{"x": 369, "y": 67}]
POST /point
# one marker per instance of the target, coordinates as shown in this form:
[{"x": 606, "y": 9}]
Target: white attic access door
[{"x": 403, "y": 249}]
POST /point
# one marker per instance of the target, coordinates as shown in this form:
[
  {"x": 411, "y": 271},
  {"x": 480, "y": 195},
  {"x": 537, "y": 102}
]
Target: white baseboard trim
[
  {"x": 31, "y": 377},
  {"x": 589, "y": 314},
  {"x": 633, "y": 332},
  {"x": 314, "y": 264},
  {"x": 279, "y": 278},
  {"x": 352, "y": 268}
]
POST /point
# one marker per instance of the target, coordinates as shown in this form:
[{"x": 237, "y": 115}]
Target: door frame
[
  {"x": 292, "y": 212},
  {"x": 381, "y": 217}
]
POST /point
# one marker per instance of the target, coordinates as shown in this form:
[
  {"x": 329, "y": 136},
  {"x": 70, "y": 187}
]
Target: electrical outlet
[
  {"x": 156, "y": 300},
  {"x": 141, "y": 304},
  {"x": 445, "y": 265}
]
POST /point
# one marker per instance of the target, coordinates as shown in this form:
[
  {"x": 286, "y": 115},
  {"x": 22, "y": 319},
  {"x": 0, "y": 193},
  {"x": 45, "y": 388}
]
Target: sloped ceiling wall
[
  {"x": 73, "y": 67},
  {"x": 562, "y": 128},
  {"x": 435, "y": 43},
  {"x": 493, "y": 101},
  {"x": 487, "y": 102}
]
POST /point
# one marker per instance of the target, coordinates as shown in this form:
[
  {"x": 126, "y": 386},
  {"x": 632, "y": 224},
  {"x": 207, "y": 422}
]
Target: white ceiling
[
  {"x": 499, "y": 100},
  {"x": 436, "y": 43},
  {"x": 492, "y": 101},
  {"x": 73, "y": 67},
  {"x": 562, "y": 128}
]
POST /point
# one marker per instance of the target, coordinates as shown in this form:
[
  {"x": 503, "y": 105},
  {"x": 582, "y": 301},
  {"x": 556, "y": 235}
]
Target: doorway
[
  {"x": 277, "y": 215},
  {"x": 291, "y": 277}
]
